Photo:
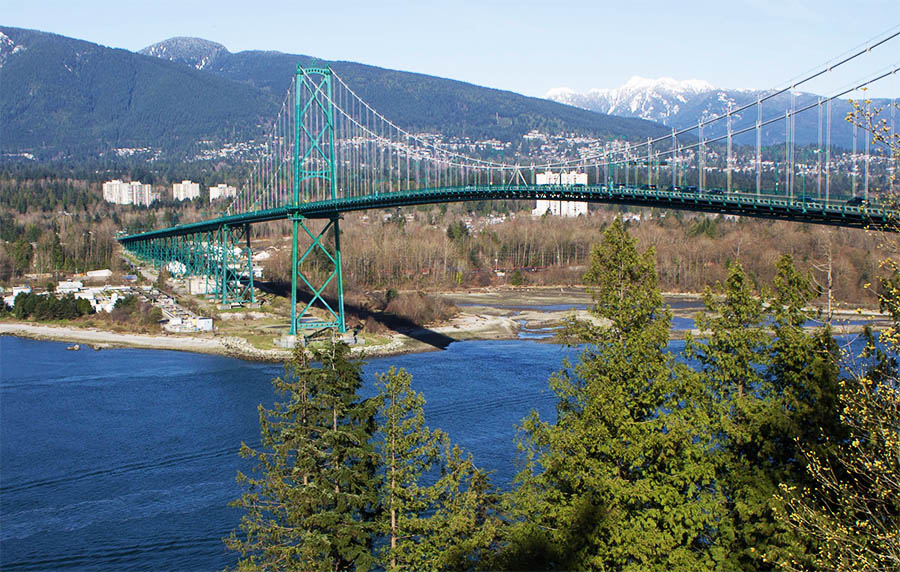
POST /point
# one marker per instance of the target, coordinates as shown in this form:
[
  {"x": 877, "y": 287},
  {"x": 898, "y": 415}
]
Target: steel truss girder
[
  {"x": 234, "y": 271},
  {"x": 222, "y": 257}
]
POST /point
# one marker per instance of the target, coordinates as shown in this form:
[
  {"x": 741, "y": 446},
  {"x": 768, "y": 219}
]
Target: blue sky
[{"x": 525, "y": 46}]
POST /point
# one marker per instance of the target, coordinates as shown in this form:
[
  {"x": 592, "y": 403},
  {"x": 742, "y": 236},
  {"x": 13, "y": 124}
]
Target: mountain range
[
  {"x": 64, "y": 98},
  {"x": 67, "y": 98},
  {"x": 681, "y": 104}
]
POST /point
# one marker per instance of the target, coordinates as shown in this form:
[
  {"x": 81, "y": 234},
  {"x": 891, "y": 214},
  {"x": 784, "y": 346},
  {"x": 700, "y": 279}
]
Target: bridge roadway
[{"x": 797, "y": 209}]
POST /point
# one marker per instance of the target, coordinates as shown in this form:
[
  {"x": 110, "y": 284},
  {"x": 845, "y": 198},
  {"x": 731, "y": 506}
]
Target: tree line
[
  {"x": 47, "y": 307},
  {"x": 433, "y": 249},
  {"x": 738, "y": 452},
  {"x": 55, "y": 220}
]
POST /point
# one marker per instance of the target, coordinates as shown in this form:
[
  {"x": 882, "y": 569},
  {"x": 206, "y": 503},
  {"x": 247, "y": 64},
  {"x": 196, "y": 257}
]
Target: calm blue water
[{"x": 126, "y": 459}]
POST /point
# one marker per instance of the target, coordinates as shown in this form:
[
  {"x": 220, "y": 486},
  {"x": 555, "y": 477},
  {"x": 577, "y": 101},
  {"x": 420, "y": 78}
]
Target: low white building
[
  {"x": 10, "y": 300},
  {"x": 201, "y": 285},
  {"x": 187, "y": 323},
  {"x": 185, "y": 190},
  {"x": 104, "y": 274},
  {"x": 69, "y": 286}
]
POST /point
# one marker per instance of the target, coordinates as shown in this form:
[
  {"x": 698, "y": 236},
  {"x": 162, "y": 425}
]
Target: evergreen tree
[
  {"x": 311, "y": 507},
  {"x": 465, "y": 526},
  {"x": 623, "y": 478},
  {"x": 407, "y": 449},
  {"x": 770, "y": 394},
  {"x": 804, "y": 372},
  {"x": 443, "y": 525}
]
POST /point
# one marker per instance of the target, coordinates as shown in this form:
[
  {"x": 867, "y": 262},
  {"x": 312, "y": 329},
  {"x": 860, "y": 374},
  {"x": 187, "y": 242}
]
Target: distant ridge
[{"x": 67, "y": 98}]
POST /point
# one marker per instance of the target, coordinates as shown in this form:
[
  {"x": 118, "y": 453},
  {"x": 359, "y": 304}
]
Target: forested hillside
[{"x": 66, "y": 98}]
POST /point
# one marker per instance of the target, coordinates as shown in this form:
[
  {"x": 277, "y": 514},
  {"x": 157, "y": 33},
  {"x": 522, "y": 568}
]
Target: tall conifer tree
[
  {"x": 311, "y": 504},
  {"x": 622, "y": 479},
  {"x": 773, "y": 387},
  {"x": 438, "y": 510}
]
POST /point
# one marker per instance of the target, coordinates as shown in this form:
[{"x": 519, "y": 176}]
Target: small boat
[{"x": 74, "y": 348}]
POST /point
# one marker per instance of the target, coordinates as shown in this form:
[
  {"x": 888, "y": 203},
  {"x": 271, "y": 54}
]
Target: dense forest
[{"x": 741, "y": 451}]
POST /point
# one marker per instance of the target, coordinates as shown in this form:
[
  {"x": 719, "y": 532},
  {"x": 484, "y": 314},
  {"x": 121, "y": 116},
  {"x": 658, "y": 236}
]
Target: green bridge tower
[{"x": 315, "y": 177}]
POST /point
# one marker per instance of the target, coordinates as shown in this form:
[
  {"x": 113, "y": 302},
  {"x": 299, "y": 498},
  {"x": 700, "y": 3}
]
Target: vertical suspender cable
[
  {"x": 828, "y": 150},
  {"x": 853, "y": 166},
  {"x": 758, "y": 145},
  {"x": 729, "y": 160},
  {"x": 701, "y": 159},
  {"x": 787, "y": 157},
  {"x": 819, "y": 154},
  {"x": 866, "y": 159}
]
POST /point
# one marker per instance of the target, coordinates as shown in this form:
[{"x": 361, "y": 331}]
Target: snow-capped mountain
[
  {"x": 8, "y": 47},
  {"x": 658, "y": 100},
  {"x": 195, "y": 52},
  {"x": 665, "y": 100},
  {"x": 682, "y": 104}
]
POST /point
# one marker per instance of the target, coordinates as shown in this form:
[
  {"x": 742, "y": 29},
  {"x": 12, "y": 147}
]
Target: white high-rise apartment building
[
  {"x": 185, "y": 190},
  {"x": 561, "y": 208},
  {"x": 221, "y": 190},
  {"x": 131, "y": 193}
]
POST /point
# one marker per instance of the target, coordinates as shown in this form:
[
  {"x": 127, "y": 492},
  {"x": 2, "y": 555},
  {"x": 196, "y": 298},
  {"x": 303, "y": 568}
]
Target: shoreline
[
  {"x": 463, "y": 327},
  {"x": 486, "y": 314}
]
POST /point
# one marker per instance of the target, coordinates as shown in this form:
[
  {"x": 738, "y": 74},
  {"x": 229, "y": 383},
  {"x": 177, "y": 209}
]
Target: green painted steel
[
  {"x": 302, "y": 321},
  {"x": 214, "y": 248},
  {"x": 234, "y": 284},
  {"x": 218, "y": 256},
  {"x": 313, "y": 163},
  {"x": 810, "y": 210}
]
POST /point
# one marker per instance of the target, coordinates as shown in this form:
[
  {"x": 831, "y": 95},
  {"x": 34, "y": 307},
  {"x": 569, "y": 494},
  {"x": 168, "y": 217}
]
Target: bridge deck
[{"x": 798, "y": 209}]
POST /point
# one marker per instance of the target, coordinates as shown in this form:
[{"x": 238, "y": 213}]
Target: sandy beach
[
  {"x": 466, "y": 326},
  {"x": 488, "y": 314},
  {"x": 103, "y": 339}
]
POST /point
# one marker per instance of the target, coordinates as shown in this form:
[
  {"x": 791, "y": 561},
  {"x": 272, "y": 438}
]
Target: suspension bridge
[{"x": 328, "y": 153}]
